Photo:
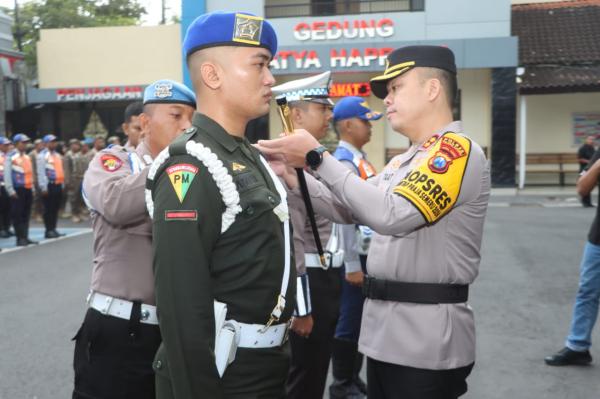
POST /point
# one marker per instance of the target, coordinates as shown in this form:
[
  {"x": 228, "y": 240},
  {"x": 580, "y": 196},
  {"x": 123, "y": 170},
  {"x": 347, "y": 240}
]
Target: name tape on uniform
[
  {"x": 181, "y": 176},
  {"x": 181, "y": 215},
  {"x": 433, "y": 185}
]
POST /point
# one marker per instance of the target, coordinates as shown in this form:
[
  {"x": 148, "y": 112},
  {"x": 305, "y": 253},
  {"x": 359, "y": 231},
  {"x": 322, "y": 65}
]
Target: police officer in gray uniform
[
  {"x": 427, "y": 208},
  {"x": 314, "y": 324},
  {"x": 118, "y": 339}
]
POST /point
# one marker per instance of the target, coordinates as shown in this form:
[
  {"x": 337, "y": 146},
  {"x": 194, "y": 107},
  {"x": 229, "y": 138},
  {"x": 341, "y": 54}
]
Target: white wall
[{"x": 549, "y": 120}]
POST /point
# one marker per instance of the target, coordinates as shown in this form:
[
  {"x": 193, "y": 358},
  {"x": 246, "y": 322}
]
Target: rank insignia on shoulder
[
  {"x": 181, "y": 215},
  {"x": 430, "y": 142},
  {"x": 247, "y": 29},
  {"x": 237, "y": 167},
  {"x": 110, "y": 163},
  {"x": 181, "y": 176}
]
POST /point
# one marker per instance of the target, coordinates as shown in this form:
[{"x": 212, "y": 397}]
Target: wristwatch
[{"x": 315, "y": 157}]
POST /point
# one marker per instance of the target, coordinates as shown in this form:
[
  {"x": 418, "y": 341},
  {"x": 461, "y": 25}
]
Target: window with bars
[{"x": 314, "y": 8}]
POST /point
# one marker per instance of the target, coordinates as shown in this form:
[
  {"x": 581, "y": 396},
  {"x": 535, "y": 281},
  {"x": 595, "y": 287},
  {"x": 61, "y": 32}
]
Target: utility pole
[{"x": 164, "y": 7}]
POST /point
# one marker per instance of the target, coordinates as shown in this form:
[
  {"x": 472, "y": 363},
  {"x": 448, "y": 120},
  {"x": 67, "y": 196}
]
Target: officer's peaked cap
[
  {"x": 404, "y": 59},
  {"x": 314, "y": 88}
]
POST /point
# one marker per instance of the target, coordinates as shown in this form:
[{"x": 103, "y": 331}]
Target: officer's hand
[
  {"x": 355, "y": 278},
  {"x": 293, "y": 147},
  {"x": 287, "y": 173},
  {"x": 302, "y": 325}
]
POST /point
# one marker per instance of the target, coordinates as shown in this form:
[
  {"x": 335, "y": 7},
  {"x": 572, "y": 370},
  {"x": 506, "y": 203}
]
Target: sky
[{"x": 153, "y": 8}]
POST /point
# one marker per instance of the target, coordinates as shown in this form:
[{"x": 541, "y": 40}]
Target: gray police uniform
[
  {"x": 116, "y": 343},
  {"x": 311, "y": 355},
  {"x": 416, "y": 241}
]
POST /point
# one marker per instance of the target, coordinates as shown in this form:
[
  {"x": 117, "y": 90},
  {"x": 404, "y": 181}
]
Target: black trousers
[
  {"x": 4, "y": 210},
  {"x": 113, "y": 357},
  {"x": 392, "y": 381},
  {"x": 51, "y": 203},
  {"x": 310, "y": 356},
  {"x": 20, "y": 209}
]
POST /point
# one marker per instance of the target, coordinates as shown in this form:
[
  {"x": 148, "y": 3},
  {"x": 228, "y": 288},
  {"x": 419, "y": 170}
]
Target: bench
[{"x": 561, "y": 164}]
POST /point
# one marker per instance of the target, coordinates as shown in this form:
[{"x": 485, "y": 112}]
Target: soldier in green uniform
[{"x": 222, "y": 243}]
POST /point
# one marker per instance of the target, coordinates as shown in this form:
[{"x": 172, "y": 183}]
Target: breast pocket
[{"x": 257, "y": 201}]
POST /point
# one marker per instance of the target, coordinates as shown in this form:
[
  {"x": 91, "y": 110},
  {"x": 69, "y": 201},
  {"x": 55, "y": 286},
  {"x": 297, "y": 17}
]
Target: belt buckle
[
  {"x": 144, "y": 315},
  {"x": 328, "y": 257}
]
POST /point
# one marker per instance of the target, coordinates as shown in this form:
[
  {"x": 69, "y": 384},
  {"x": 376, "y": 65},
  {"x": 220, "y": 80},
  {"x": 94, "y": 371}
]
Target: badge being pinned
[
  {"x": 181, "y": 176},
  {"x": 247, "y": 29},
  {"x": 110, "y": 163}
]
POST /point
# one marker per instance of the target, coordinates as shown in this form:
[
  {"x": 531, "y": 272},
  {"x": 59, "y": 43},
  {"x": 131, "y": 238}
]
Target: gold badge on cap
[{"x": 247, "y": 29}]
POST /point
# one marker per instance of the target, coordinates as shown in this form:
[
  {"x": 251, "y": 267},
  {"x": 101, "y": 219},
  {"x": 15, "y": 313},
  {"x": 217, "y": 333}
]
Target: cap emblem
[{"x": 247, "y": 29}]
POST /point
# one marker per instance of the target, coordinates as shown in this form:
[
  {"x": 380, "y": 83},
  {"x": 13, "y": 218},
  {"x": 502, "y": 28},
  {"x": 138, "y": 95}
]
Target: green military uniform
[{"x": 196, "y": 263}]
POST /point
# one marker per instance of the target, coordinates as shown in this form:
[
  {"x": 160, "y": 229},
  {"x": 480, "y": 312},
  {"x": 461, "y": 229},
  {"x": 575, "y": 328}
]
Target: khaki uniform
[
  {"x": 411, "y": 245},
  {"x": 121, "y": 227},
  {"x": 119, "y": 336},
  {"x": 310, "y": 356},
  {"x": 75, "y": 166}
]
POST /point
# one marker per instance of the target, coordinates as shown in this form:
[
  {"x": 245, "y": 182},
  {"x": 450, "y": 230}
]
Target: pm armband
[{"x": 303, "y": 304}]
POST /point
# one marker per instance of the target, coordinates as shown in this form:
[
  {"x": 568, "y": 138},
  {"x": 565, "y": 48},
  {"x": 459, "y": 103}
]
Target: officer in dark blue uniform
[{"x": 4, "y": 198}]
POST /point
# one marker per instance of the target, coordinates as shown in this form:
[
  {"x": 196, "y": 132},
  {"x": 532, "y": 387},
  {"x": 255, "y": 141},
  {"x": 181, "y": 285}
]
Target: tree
[{"x": 50, "y": 14}]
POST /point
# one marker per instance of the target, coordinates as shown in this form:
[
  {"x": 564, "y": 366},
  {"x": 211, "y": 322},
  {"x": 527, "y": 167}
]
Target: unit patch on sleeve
[
  {"x": 181, "y": 176},
  {"x": 110, "y": 163},
  {"x": 433, "y": 185}
]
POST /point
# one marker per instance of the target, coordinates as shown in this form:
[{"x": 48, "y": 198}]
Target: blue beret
[
  {"x": 354, "y": 107},
  {"x": 4, "y": 140},
  {"x": 20, "y": 137},
  {"x": 88, "y": 141},
  {"x": 229, "y": 29},
  {"x": 166, "y": 91},
  {"x": 48, "y": 138}
]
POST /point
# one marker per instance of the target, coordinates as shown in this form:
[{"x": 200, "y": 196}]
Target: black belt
[{"x": 387, "y": 290}]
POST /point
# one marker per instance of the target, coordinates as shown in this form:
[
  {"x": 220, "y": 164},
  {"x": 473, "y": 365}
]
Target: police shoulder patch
[
  {"x": 110, "y": 163},
  {"x": 433, "y": 185},
  {"x": 181, "y": 176}
]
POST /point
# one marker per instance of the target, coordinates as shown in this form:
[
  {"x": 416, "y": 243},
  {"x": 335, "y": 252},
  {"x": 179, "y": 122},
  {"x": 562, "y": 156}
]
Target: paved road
[{"x": 522, "y": 300}]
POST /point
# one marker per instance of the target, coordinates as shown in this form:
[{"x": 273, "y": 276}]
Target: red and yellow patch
[
  {"x": 449, "y": 150},
  {"x": 432, "y": 186},
  {"x": 181, "y": 215},
  {"x": 110, "y": 163}
]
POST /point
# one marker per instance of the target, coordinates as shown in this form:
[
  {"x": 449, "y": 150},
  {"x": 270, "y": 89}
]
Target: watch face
[{"x": 313, "y": 158}]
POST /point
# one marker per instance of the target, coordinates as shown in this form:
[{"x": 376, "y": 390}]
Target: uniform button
[
  {"x": 271, "y": 199},
  {"x": 250, "y": 210},
  {"x": 158, "y": 365}
]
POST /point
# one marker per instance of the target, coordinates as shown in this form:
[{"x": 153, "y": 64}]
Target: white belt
[
  {"x": 120, "y": 308},
  {"x": 334, "y": 260},
  {"x": 257, "y": 336}
]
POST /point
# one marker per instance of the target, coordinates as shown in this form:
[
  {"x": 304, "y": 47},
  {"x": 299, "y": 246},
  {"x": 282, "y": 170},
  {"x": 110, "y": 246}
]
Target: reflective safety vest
[
  {"x": 22, "y": 172},
  {"x": 363, "y": 167},
  {"x": 54, "y": 167}
]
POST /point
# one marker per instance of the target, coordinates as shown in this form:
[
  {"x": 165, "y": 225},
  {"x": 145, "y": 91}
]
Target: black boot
[
  {"x": 343, "y": 358},
  {"x": 358, "y": 362},
  {"x": 26, "y": 230},
  {"x": 21, "y": 238}
]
